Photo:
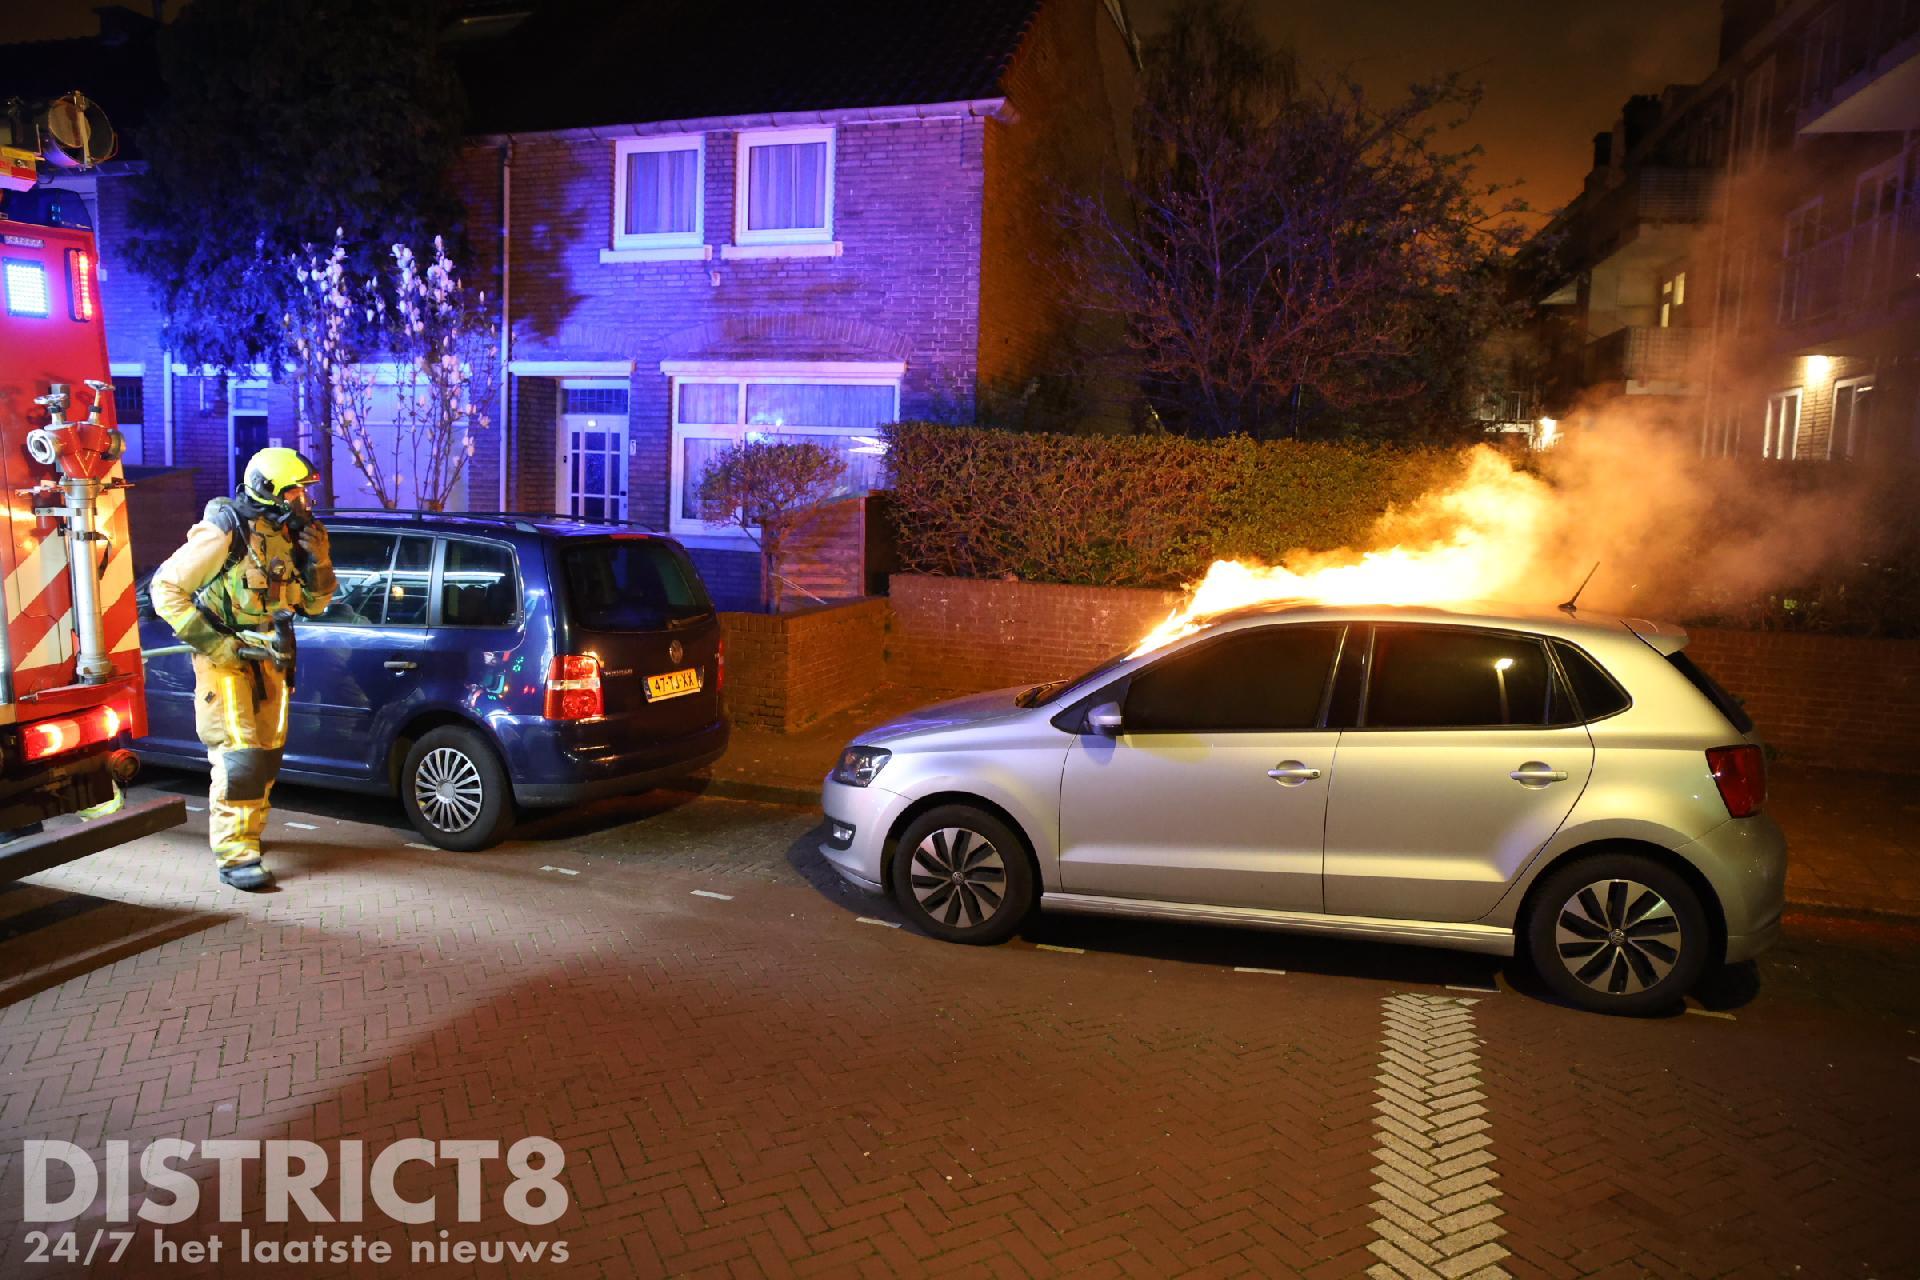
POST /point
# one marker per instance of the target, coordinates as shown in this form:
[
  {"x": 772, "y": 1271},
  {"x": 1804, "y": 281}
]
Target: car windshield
[
  {"x": 1041, "y": 694},
  {"x": 631, "y": 584}
]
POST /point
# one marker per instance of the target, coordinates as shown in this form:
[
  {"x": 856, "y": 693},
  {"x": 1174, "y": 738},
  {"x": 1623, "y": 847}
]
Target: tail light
[
  {"x": 1741, "y": 775},
  {"x": 45, "y": 738},
  {"x": 573, "y": 688},
  {"x": 80, "y": 286}
]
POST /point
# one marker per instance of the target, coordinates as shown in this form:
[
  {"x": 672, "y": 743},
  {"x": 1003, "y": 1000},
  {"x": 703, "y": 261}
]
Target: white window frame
[
  {"x": 1855, "y": 388},
  {"x": 744, "y": 142},
  {"x": 687, "y": 373},
  {"x": 659, "y": 246},
  {"x": 1774, "y": 442}
]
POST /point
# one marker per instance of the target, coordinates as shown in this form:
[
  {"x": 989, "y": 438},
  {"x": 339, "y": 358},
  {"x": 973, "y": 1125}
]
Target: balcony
[
  {"x": 1862, "y": 274},
  {"x": 1646, "y": 200},
  {"x": 1640, "y": 355}
]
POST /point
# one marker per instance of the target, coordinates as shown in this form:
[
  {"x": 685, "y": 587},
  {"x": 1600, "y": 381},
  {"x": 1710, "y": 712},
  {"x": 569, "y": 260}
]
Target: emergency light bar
[{"x": 80, "y": 291}]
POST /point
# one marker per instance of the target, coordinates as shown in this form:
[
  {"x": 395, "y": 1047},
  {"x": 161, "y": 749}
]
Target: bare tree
[
  {"x": 1280, "y": 239},
  {"x": 763, "y": 488}
]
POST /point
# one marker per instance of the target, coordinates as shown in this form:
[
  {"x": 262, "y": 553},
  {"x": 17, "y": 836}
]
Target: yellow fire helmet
[{"x": 271, "y": 472}]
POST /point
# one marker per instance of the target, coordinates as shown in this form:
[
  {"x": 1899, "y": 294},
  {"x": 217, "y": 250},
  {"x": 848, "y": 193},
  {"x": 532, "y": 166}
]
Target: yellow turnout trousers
[{"x": 243, "y": 738}]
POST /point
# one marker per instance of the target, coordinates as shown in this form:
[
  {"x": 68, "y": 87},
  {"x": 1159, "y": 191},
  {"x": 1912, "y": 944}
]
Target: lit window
[
  {"x": 27, "y": 289},
  {"x": 784, "y": 188},
  {"x": 719, "y": 407},
  {"x": 657, "y": 189}
]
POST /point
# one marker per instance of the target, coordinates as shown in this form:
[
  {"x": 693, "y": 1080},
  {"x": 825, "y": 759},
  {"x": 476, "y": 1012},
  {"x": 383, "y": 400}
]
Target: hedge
[{"x": 1134, "y": 510}]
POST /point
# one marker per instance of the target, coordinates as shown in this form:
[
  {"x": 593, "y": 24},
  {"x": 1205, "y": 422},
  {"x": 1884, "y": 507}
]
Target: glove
[{"x": 313, "y": 541}]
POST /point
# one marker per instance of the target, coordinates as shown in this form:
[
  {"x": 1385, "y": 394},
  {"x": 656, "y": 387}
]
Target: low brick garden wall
[
  {"x": 786, "y": 671},
  {"x": 1834, "y": 700}
]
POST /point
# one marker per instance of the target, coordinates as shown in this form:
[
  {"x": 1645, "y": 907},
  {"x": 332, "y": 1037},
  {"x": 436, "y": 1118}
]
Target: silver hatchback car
[{"x": 1565, "y": 786}]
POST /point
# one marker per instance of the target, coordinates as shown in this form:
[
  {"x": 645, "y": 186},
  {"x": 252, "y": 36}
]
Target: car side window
[
  {"x": 361, "y": 562},
  {"x": 477, "y": 585},
  {"x": 1260, "y": 679},
  {"x": 1593, "y": 689},
  {"x": 1442, "y": 678},
  {"x": 407, "y": 592}
]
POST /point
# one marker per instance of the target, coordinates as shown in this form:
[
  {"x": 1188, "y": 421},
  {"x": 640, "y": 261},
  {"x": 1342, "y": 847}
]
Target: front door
[
  {"x": 247, "y": 416},
  {"x": 1215, "y": 789},
  {"x": 593, "y": 450},
  {"x": 1456, "y": 777}
]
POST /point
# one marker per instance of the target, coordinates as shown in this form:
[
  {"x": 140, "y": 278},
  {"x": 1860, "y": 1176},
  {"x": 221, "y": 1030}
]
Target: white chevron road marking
[{"x": 1439, "y": 1216}]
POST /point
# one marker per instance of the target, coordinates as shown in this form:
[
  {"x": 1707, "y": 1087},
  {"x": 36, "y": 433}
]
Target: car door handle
[
  {"x": 1534, "y": 773},
  {"x": 399, "y": 664},
  {"x": 1291, "y": 773}
]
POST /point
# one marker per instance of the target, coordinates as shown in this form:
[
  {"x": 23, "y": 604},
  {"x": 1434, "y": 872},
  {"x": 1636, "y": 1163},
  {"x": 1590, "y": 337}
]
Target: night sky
[{"x": 1555, "y": 72}]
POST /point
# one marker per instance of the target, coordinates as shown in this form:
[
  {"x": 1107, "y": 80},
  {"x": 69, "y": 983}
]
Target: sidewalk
[{"x": 1855, "y": 837}]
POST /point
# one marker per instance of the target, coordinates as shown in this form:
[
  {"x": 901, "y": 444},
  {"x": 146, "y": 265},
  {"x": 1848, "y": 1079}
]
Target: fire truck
[{"x": 72, "y": 693}]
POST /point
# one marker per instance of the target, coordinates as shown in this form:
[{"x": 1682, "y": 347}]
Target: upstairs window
[
  {"x": 783, "y": 190},
  {"x": 657, "y": 187}
]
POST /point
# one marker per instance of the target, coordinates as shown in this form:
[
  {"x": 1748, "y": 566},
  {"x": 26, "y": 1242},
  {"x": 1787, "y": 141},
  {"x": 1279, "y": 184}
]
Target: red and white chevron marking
[{"x": 39, "y": 598}]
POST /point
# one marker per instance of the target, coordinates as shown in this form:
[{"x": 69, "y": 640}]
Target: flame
[{"x": 1480, "y": 539}]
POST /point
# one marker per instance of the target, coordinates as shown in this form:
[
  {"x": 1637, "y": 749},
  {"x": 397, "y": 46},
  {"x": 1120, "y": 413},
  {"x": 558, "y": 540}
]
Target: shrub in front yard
[{"x": 1134, "y": 510}]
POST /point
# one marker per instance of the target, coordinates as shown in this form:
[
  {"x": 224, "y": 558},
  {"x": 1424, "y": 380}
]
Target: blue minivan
[{"x": 479, "y": 664}]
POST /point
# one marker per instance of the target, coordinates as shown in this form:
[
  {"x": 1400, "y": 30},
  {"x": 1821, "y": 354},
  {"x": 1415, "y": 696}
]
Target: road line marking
[
  {"x": 1436, "y": 1183},
  {"x": 1071, "y": 951},
  {"x": 196, "y": 808},
  {"x": 1712, "y": 1013},
  {"x": 562, "y": 870},
  {"x": 884, "y": 924},
  {"x": 1248, "y": 968},
  {"x": 1485, "y": 991},
  {"x": 414, "y": 844},
  {"x": 303, "y": 826},
  {"x": 708, "y": 893}
]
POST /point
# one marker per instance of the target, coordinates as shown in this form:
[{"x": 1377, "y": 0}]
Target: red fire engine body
[{"x": 72, "y": 692}]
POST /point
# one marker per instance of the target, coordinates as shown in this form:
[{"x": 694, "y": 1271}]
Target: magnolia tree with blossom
[{"x": 443, "y": 349}]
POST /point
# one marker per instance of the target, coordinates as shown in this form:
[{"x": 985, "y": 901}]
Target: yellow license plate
[{"x": 673, "y": 684}]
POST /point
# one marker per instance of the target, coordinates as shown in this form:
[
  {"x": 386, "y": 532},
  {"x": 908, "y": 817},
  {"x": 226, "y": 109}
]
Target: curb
[{"x": 759, "y": 792}]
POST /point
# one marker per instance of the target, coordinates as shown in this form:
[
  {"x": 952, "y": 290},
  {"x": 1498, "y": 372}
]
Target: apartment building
[{"x": 1744, "y": 261}]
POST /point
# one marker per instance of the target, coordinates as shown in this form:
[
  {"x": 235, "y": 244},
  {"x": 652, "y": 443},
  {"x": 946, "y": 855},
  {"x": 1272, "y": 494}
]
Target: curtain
[
  {"x": 787, "y": 186},
  {"x": 661, "y": 189},
  {"x": 709, "y": 404},
  {"x": 817, "y": 404}
]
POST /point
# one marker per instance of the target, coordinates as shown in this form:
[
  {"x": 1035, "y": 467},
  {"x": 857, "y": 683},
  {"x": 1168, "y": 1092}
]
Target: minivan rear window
[
  {"x": 1728, "y": 705},
  {"x": 631, "y": 584}
]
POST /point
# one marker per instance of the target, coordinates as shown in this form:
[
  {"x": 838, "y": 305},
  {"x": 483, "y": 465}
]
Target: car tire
[
  {"x": 1618, "y": 933},
  {"x": 983, "y": 899},
  {"x": 455, "y": 792}
]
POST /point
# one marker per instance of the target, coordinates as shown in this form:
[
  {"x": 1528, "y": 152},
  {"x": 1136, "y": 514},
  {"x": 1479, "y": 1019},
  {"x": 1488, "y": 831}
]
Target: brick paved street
[{"x": 764, "y": 1083}]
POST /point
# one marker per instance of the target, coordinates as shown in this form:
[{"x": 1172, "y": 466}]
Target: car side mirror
[{"x": 1104, "y": 720}]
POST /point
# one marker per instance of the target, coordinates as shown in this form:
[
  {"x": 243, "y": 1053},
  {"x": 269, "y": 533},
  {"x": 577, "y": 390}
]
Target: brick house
[
  {"x": 1744, "y": 261},
  {"x": 834, "y": 218}
]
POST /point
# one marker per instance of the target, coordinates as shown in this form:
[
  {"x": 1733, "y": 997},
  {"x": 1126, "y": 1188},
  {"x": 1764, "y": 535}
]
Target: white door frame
[{"x": 562, "y": 441}]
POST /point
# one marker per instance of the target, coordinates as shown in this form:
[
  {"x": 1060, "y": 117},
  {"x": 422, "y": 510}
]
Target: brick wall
[
  {"x": 787, "y": 671},
  {"x": 1845, "y": 701},
  {"x": 161, "y": 507},
  {"x": 961, "y": 633},
  {"x": 1834, "y": 700}
]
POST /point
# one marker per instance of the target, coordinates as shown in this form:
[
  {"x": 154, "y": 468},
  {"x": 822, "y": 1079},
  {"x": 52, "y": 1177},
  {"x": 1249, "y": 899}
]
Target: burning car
[{"x": 1557, "y": 784}]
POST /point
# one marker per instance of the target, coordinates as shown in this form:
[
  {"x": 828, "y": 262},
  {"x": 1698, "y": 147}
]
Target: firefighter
[{"x": 250, "y": 557}]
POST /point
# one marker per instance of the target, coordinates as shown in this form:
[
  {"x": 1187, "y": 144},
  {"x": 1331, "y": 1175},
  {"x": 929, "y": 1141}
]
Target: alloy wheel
[
  {"x": 448, "y": 789},
  {"x": 1618, "y": 937},
  {"x": 959, "y": 878}
]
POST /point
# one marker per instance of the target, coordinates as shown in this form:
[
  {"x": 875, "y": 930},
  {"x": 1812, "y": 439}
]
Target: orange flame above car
[{"x": 1478, "y": 540}]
